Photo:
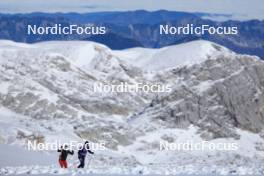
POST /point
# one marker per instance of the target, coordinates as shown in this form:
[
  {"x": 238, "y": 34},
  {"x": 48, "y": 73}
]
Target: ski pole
[{"x": 89, "y": 161}]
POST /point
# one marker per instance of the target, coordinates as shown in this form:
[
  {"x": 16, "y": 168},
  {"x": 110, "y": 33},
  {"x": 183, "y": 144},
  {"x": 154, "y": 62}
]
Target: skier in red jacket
[{"x": 63, "y": 156}]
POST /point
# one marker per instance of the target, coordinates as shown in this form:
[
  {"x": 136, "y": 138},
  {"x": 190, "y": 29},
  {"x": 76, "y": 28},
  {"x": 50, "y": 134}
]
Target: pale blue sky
[{"x": 245, "y": 9}]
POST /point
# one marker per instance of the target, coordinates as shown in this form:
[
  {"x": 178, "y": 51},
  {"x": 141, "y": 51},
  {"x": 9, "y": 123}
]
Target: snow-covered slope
[
  {"x": 186, "y": 54},
  {"x": 79, "y": 53},
  {"x": 46, "y": 94}
]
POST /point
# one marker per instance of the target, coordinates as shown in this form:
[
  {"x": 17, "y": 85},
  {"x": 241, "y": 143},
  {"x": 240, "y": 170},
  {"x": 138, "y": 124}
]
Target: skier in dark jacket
[
  {"x": 82, "y": 154},
  {"x": 63, "y": 156}
]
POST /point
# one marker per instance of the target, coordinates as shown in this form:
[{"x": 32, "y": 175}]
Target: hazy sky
[{"x": 239, "y": 8}]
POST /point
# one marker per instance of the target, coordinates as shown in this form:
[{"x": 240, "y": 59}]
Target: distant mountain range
[{"x": 135, "y": 29}]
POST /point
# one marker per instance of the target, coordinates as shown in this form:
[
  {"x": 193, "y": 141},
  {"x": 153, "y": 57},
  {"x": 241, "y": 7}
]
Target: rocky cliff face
[
  {"x": 217, "y": 95},
  {"x": 51, "y": 86},
  {"x": 45, "y": 85},
  {"x": 48, "y": 88}
]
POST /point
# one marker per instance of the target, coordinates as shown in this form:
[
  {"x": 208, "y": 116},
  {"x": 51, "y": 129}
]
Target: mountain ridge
[
  {"x": 131, "y": 31},
  {"x": 46, "y": 94}
]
